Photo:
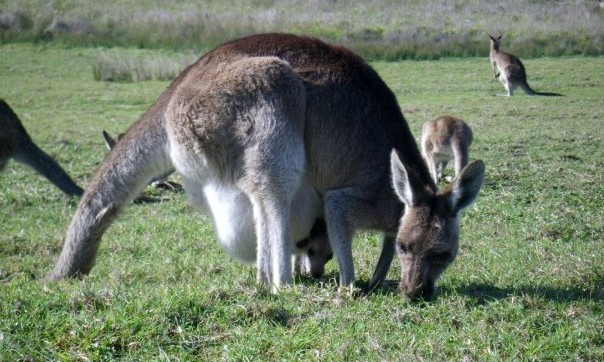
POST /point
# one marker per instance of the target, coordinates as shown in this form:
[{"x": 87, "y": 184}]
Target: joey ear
[
  {"x": 400, "y": 180},
  {"x": 466, "y": 185},
  {"x": 109, "y": 141}
]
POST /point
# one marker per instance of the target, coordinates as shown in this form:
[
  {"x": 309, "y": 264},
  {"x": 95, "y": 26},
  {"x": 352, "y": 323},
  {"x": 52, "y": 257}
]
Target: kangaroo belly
[
  {"x": 233, "y": 218},
  {"x": 231, "y": 210}
]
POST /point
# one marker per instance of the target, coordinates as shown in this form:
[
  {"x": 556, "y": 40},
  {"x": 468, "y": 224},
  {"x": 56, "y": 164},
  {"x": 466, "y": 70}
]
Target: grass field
[
  {"x": 379, "y": 29},
  {"x": 527, "y": 283}
]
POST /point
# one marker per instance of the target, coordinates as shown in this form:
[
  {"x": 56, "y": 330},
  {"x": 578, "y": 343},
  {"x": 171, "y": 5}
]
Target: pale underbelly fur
[
  {"x": 231, "y": 209},
  {"x": 233, "y": 218}
]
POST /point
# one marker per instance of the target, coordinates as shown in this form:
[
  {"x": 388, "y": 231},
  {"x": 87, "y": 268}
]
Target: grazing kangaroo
[
  {"x": 267, "y": 127},
  {"x": 16, "y": 143},
  {"x": 444, "y": 139},
  {"x": 510, "y": 70}
]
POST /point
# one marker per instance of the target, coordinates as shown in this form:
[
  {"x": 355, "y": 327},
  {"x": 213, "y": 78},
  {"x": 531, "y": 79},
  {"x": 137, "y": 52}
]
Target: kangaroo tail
[
  {"x": 28, "y": 153},
  {"x": 549, "y": 94},
  {"x": 533, "y": 92},
  {"x": 140, "y": 156}
]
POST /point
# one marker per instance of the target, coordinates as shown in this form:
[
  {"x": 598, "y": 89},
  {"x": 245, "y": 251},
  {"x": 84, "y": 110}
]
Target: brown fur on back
[{"x": 333, "y": 76}]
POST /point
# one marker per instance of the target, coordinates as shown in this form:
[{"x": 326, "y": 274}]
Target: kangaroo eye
[
  {"x": 402, "y": 248},
  {"x": 441, "y": 257}
]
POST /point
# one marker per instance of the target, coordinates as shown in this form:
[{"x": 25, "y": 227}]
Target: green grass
[
  {"x": 527, "y": 284},
  {"x": 378, "y": 29}
]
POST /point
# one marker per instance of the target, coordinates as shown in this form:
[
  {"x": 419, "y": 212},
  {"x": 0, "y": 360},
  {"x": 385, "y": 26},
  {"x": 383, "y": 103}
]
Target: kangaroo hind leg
[
  {"x": 240, "y": 124},
  {"x": 273, "y": 164},
  {"x": 271, "y": 178}
]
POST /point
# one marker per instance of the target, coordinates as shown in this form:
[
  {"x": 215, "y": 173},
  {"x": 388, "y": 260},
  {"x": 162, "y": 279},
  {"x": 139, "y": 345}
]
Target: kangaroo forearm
[{"x": 384, "y": 262}]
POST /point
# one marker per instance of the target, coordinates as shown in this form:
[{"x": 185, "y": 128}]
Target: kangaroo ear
[
  {"x": 109, "y": 141},
  {"x": 465, "y": 187},
  {"x": 406, "y": 185}
]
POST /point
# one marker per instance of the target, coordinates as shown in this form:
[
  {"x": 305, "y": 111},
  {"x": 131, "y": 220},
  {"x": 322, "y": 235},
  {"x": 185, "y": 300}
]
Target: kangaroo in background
[
  {"x": 444, "y": 139},
  {"x": 510, "y": 70},
  {"x": 282, "y": 130},
  {"x": 16, "y": 143}
]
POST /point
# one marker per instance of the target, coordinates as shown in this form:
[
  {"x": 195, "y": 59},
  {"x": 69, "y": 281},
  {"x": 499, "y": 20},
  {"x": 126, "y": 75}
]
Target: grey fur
[
  {"x": 427, "y": 239},
  {"x": 161, "y": 182},
  {"x": 444, "y": 139},
  {"x": 277, "y": 124}
]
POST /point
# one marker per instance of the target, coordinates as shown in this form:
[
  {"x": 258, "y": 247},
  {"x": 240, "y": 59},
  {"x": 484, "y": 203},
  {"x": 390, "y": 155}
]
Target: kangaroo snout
[
  {"x": 418, "y": 277},
  {"x": 425, "y": 290}
]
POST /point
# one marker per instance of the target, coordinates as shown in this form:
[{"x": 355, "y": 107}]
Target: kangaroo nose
[{"x": 424, "y": 291}]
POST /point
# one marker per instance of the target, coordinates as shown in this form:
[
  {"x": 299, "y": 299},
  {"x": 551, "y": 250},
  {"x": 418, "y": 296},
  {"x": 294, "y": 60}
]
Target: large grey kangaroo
[
  {"x": 510, "y": 71},
  {"x": 16, "y": 143},
  {"x": 284, "y": 123}
]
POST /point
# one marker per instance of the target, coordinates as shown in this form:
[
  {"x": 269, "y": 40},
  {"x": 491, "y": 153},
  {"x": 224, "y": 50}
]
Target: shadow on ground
[{"x": 484, "y": 293}]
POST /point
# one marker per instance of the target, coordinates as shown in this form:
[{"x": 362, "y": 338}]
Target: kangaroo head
[
  {"x": 318, "y": 251},
  {"x": 427, "y": 238},
  {"x": 495, "y": 41}
]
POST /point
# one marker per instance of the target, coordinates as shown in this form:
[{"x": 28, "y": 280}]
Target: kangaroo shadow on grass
[
  {"x": 482, "y": 293},
  {"x": 485, "y": 293}
]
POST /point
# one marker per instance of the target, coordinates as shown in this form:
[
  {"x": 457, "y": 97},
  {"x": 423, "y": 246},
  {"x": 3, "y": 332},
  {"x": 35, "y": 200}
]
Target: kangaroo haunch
[{"x": 283, "y": 130}]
